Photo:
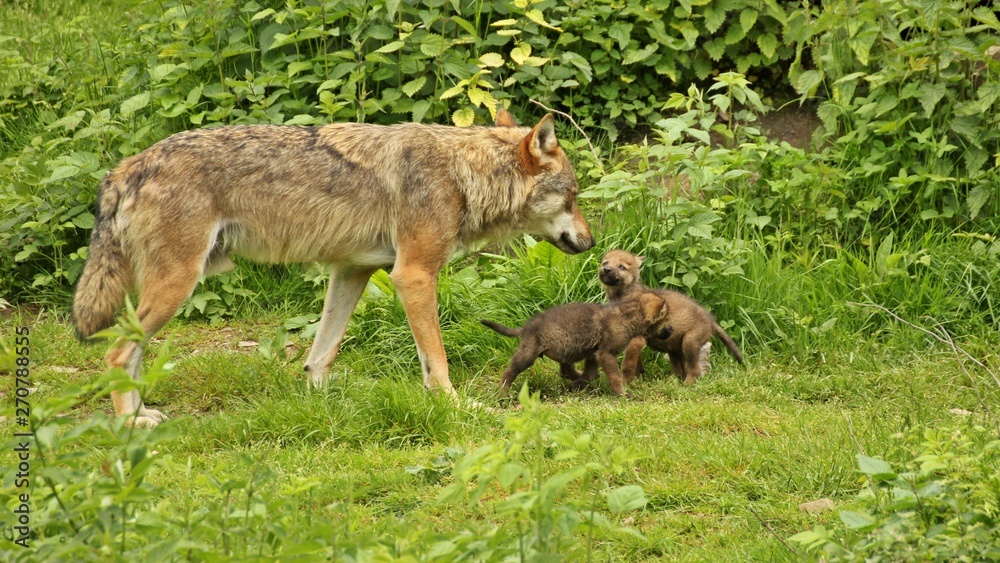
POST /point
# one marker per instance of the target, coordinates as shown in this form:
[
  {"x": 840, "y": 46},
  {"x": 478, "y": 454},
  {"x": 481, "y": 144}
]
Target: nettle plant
[
  {"x": 550, "y": 484},
  {"x": 944, "y": 505},
  {"x": 694, "y": 183},
  {"x": 911, "y": 103},
  {"x": 317, "y": 62}
]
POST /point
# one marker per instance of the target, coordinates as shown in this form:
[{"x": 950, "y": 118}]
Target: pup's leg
[
  {"x": 589, "y": 374},
  {"x": 525, "y": 355},
  {"x": 677, "y": 364},
  {"x": 609, "y": 363},
  {"x": 703, "y": 358},
  {"x": 632, "y": 361},
  {"x": 691, "y": 351},
  {"x": 346, "y": 287},
  {"x": 568, "y": 371}
]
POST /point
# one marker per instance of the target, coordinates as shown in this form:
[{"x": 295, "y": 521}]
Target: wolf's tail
[
  {"x": 506, "y": 331},
  {"x": 721, "y": 334},
  {"x": 107, "y": 274}
]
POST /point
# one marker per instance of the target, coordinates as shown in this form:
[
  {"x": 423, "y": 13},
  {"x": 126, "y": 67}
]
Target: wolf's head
[{"x": 551, "y": 210}]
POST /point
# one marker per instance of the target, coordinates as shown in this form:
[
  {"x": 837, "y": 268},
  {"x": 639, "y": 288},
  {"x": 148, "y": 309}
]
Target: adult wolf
[{"x": 354, "y": 196}]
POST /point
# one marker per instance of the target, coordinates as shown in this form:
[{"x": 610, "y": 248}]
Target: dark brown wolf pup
[
  {"x": 692, "y": 326},
  {"x": 590, "y": 332}
]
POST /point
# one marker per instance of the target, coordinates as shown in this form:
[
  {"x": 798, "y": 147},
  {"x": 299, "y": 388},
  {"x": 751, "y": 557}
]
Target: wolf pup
[
  {"x": 354, "y": 196},
  {"x": 583, "y": 331},
  {"x": 692, "y": 325}
]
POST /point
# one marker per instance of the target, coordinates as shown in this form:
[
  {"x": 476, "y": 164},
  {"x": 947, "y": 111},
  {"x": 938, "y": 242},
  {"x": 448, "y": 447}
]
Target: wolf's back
[{"x": 107, "y": 273}]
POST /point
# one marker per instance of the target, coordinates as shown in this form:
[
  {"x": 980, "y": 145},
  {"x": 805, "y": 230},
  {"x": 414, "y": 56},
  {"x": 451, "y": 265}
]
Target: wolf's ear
[
  {"x": 639, "y": 260},
  {"x": 540, "y": 146},
  {"x": 505, "y": 119}
]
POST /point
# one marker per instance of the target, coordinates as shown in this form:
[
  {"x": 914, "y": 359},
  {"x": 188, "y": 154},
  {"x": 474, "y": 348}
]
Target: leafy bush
[
  {"x": 943, "y": 506},
  {"x": 311, "y": 62},
  {"x": 911, "y": 99}
]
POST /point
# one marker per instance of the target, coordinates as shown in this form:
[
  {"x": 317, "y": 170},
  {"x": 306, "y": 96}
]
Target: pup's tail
[
  {"x": 107, "y": 273},
  {"x": 506, "y": 331},
  {"x": 730, "y": 345}
]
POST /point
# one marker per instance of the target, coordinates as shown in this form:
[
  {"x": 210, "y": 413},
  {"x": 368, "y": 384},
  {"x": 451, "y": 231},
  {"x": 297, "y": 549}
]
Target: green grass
[{"x": 761, "y": 438}]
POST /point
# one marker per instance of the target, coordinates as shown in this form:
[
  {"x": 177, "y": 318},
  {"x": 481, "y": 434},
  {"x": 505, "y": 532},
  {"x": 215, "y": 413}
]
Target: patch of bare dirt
[{"x": 793, "y": 124}]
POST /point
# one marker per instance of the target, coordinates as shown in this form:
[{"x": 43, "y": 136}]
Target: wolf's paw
[
  {"x": 142, "y": 421},
  {"x": 152, "y": 414}
]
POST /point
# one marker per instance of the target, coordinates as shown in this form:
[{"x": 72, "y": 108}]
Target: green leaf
[
  {"x": 482, "y": 98},
  {"x": 624, "y": 499},
  {"x": 160, "y": 72},
  {"x": 25, "y": 253},
  {"x": 434, "y": 45},
  {"x": 134, "y": 104},
  {"x": 748, "y": 18},
  {"x": 419, "y": 110},
  {"x": 414, "y": 86},
  {"x": 452, "y": 92},
  {"x": 391, "y": 7},
  {"x": 689, "y": 279},
  {"x": 643, "y": 54},
  {"x": 987, "y": 16},
  {"x": 621, "y": 32},
  {"x": 393, "y": 47},
  {"x": 874, "y": 467},
  {"x": 508, "y": 474},
  {"x": 520, "y": 53},
  {"x": 491, "y": 59},
  {"x": 463, "y": 117},
  {"x": 768, "y": 44},
  {"x": 734, "y": 34},
  {"x": 538, "y": 17},
  {"x": 978, "y": 196},
  {"x": 262, "y": 14},
  {"x": 807, "y": 82},
  {"x": 84, "y": 220},
  {"x": 929, "y": 95},
  {"x": 714, "y": 18},
  {"x": 856, "y": 520}
]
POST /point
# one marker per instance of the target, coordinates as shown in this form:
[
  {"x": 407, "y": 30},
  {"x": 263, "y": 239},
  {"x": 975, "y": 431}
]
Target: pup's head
[
  {"x": 551, "y": 211},
  {"x": 619, "y": 271}
]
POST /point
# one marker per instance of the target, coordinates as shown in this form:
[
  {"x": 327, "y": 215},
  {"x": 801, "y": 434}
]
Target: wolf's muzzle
[{"x": 571, "y": 245}]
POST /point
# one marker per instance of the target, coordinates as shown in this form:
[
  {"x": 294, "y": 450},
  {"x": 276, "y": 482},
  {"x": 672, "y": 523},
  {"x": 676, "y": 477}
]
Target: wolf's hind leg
[
  {"x": 165, "y": 287},
  {"x": 346, "y": 287}
]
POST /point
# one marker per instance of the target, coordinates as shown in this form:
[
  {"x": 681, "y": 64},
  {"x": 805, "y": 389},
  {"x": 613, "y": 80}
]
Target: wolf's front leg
[
  {"x": 417, "y": 289},
  {"x": 346, "y": 287}
]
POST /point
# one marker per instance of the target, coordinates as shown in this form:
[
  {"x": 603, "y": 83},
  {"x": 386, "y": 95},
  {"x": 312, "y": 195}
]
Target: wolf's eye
[{"x": 622, "y": 267}]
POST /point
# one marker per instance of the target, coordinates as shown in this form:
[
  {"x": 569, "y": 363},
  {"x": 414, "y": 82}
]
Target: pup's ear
[
  {"x": 654, "y": 306},
  {"x": 639, "y": 260},
  {"x": 540, "y": 146},
  {"x": 505, "y": 119}
]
